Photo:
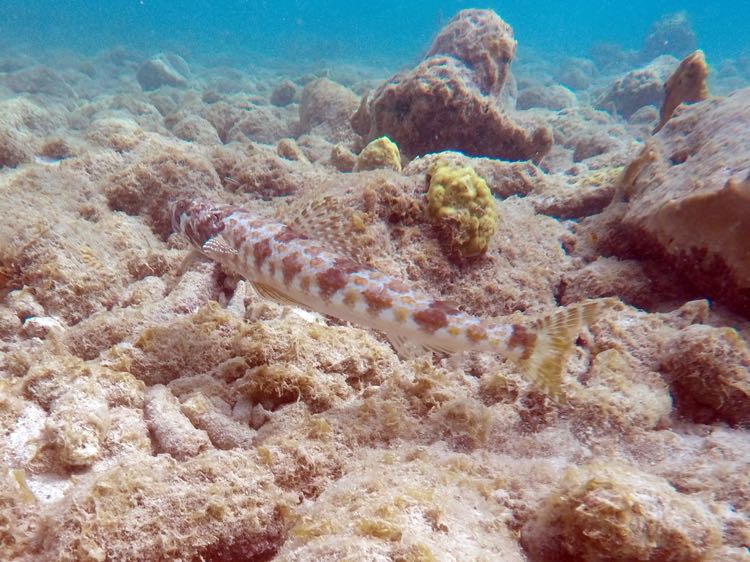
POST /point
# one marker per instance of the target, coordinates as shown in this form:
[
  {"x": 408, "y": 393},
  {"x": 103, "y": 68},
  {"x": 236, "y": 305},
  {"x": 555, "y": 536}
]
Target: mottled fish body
[{"x": 285, "y": 264}]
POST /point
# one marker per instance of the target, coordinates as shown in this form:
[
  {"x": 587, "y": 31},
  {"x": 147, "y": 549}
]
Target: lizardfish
[{"x": 287, "y": 265}]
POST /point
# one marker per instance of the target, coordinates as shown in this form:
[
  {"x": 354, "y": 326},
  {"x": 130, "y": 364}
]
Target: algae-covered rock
[
  {"x": 392, "y": 509},
  {"x": 452, "y": 99},
  {"x": 163, "y": 70},
  {"x": 462, "y": 207},
  {"x": 342, "y": 158},
  {"x": 638, "y": 88},
  {"x": 687, "y": 84},
  {"x": 483, "y": 42},
  {"x": 618, "y": 513},
  {"x": 290, "y": 150},
  {"x": 671, "y": 34},
  {"x": 686, "y": 197},
  {"x": 380, "y": 153},
  {"x": 709, "y": 373},
  {"x": 221, "y": 505},
  {"x": 325, "y": 107},
  {"x": 283, "y": 94}
]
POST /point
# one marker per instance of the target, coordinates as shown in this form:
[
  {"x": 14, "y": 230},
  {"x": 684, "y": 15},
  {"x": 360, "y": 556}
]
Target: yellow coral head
[{"x": 462, "y": 207}]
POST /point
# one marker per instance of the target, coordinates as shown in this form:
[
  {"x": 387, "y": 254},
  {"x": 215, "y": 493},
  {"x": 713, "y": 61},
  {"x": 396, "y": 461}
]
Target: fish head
[{"x": 199, "y": 221}]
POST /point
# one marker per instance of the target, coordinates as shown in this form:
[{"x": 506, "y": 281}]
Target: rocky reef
[{"x": 155, "y": 406}]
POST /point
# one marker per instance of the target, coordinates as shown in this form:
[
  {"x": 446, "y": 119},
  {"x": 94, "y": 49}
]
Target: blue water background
[{"x": 333, "y": 29}]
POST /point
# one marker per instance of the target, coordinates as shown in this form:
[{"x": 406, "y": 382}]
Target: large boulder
[
  {"x": 672, "y": 34},
  {"x": 638, "y": 88},
  {"x": 686, "y": 197},
  {"x": 452, "y": 99},
  {"x": 325, "y": 108},
  {"x": 165, "y": 69}
]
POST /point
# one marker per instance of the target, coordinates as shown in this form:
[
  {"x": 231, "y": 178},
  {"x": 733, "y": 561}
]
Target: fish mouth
[{"x": 179, "y": 210}]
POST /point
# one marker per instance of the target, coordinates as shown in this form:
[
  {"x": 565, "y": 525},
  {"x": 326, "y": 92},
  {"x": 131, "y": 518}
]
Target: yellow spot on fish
[{"x": 401, "y": 314}]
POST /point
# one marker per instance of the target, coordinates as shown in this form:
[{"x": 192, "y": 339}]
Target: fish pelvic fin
[{"x": 554, "y": 337}]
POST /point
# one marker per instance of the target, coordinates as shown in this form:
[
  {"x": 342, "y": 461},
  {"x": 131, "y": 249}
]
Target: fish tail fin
[{"x": 544, "y": 361}]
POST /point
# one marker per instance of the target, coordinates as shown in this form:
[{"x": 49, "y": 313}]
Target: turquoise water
[{"x": 360, "y": 30}]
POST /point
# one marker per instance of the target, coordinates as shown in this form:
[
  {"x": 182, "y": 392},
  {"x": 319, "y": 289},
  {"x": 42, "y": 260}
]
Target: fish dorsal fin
[
  {"x": 273, "y": 294},
  {"x": 327, "y": 220}
]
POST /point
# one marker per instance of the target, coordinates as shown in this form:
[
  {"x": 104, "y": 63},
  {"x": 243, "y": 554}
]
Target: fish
[{"x": 284, "y": 264}]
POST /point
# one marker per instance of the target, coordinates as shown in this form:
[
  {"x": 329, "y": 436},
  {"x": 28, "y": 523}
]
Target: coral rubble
[{"x": 155, "y": 406}]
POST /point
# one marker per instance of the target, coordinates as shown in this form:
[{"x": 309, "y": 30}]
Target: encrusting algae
[{"x": 379, "y": 153}]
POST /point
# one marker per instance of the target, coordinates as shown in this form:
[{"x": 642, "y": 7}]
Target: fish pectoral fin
[
  {"x": 217, "y": 248},
  {"x": 193, "y": 256},
  {"x": 273, "y": 294},
  {"x": 405, "y": 348},
  {"x": 409, "y": 349}
]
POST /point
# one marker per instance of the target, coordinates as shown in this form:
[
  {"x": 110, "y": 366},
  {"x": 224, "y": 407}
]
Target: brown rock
[
  {"x": 39, "y": 80},
  {"x": 608, "y": 276},
  {"x": 483, "y": 42},
  {"x": 686, "y": 198},
  {"x": 55, "y": 148},
  {"x": 194, "y": 128},
  {"x": 639, "y": 87},
  {"x": 326, "y": 107},
  {"x": 172, "y": 430},
  {"x": 554, "y": 97},
  {"x": 265, "y": 174},
  {"x": 264, "y": 124},
  {"x": 618, "y": 513},
  {"x": 147, "y": 187},
  {"x": 239, "y": 514},
  {"x": 287, "y": 148},
  {"x": 342, "y": 158},
  {"x": 163, "y": 70},
  {"x": 687, "y": 84},
  {"x": 14, "y": 147},
  {"x": 223, "y": 116},
  {"x": 709, "y": 372},
  {"x": 450, "y": 101},
  {"x": 671, "y": 34},
  {"x": 283, "y": 94},
  {"x": 22, "y": 122}
]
